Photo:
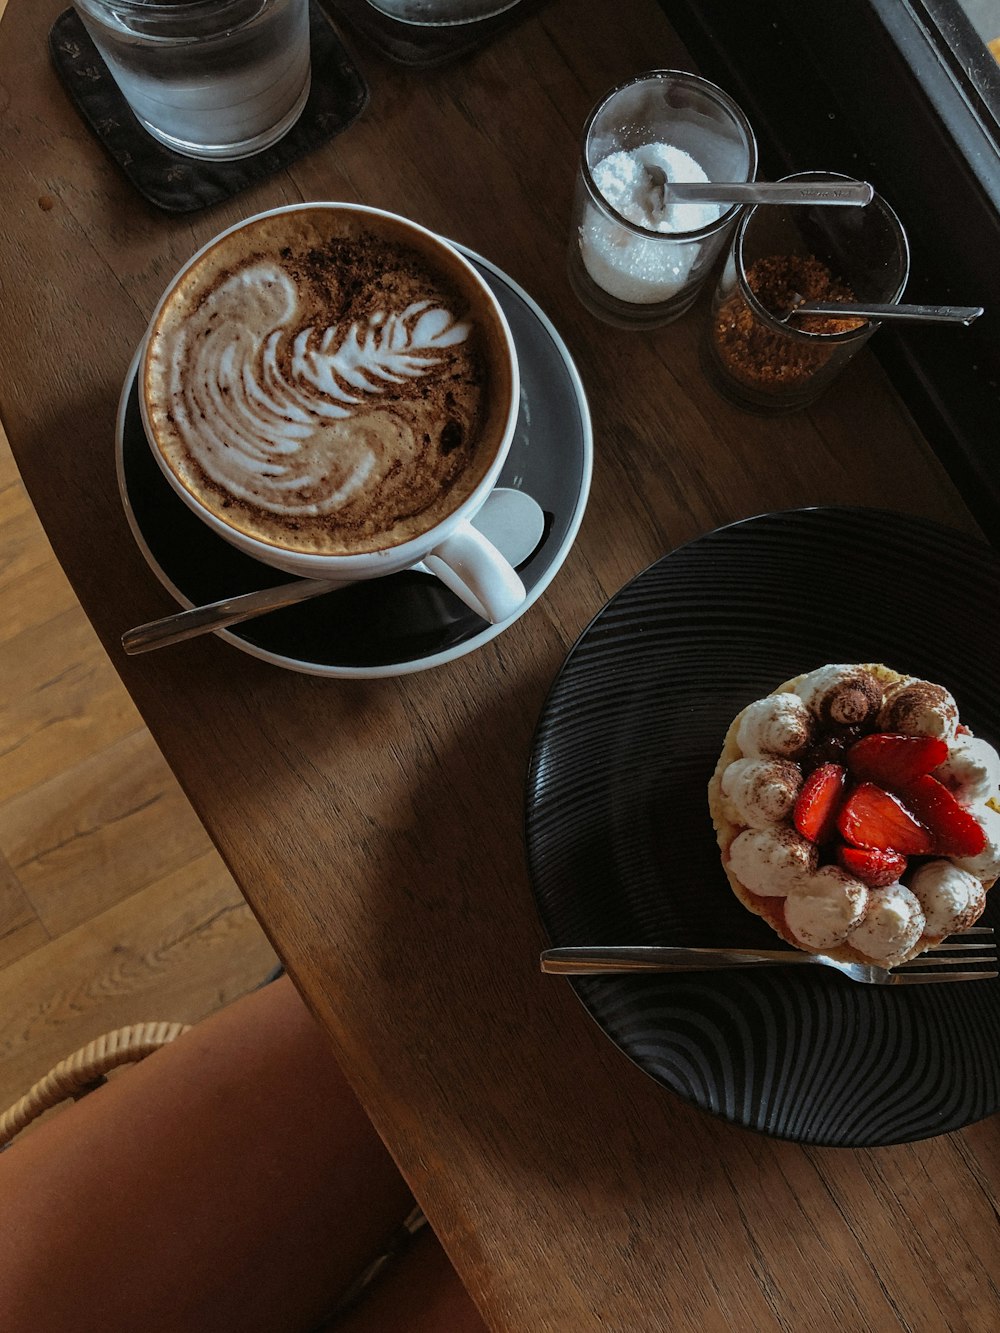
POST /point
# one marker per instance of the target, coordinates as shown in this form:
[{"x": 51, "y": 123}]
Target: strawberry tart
[{"x": 857, "y": 815}]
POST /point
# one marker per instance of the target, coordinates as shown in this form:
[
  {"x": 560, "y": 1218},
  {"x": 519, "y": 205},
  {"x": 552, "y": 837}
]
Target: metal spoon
[
  {"x": 844, "y": 193},
  {"x": 919, "y": 314},
  {"x": 511, "y": 520}
]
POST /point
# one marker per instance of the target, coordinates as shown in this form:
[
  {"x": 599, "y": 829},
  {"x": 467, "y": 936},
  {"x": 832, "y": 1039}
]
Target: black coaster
[
  {"x": 180, "y": 184},
  {"x": 409, "y": 44}
]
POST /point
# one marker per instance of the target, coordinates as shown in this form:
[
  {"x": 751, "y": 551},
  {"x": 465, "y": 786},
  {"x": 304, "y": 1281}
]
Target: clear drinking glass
[
  {"x": 626, "y": 271},
  {"x": 754, "y": 355},
  {"x": 209, "y": 78},
  {"x": 441, "y": 13}
]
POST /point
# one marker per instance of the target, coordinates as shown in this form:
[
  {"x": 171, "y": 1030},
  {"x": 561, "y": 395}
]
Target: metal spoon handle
[
  {"x": 217, "y": 615},
  {"x": 924, "y": 314},
  {"x": 856, "y": 193},
  {"x": 511, "y": 519}
]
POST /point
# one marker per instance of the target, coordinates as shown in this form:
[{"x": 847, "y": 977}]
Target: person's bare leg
[{"x": 230, "y": 1181}]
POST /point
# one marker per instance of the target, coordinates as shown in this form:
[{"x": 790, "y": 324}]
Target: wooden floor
[{"x": 114, "y": 907}]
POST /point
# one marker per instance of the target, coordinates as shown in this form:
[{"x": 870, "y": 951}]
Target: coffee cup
[{"x": 333, "y": 389}]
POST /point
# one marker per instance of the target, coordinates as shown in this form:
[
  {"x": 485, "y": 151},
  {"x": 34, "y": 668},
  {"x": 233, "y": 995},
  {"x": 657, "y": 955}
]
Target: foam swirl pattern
[
  {"x": 621, "y": 847},
  {"x": 262, "y": 430},
  {"x": 329, "y": 401}
]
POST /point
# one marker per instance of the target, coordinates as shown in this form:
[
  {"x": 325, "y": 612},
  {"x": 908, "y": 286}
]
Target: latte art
[
  {"x": 391, "y": 349},
  {"x": 325, "y": 393},
  {"x": 257, "y": 403}
]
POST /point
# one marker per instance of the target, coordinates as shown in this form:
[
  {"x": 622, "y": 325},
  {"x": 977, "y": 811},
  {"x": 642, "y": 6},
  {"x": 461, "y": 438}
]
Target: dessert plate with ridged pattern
[{"x": 621, "y": 847}]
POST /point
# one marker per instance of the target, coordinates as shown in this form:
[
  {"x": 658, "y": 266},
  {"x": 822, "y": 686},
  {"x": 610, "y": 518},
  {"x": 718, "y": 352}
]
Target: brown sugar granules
[{"x": 764, "y": 358}]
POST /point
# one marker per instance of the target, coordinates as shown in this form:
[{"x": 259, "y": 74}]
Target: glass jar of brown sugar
[{"x": 754, "y": 352}]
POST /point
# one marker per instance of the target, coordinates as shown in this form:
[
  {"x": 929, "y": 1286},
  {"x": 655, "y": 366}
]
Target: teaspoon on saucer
[{"x": 512, "y": 520}]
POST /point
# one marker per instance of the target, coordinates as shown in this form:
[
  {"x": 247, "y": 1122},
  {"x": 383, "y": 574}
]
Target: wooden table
[{"x": 376, "y": 826}]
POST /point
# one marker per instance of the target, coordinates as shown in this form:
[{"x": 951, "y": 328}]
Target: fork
[{"x": 933, "y": 966}]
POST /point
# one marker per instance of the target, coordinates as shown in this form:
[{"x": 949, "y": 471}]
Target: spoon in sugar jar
[
  {"x": 512, "y": 520},
  {"x": 837, "y": 193},
  {"x": 913, "y": 314}
]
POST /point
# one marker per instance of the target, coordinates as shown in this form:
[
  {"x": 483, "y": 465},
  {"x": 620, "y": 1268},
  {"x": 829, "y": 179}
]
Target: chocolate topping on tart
[
  {"x": 852, "y": 702},
  {"x": 906, "y": 704}
]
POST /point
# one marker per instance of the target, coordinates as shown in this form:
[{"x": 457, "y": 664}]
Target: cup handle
[{"x": 471, "y": 566}]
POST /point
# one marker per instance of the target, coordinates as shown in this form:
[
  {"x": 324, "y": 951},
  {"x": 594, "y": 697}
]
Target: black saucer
[{"x": 405, "y": 622}]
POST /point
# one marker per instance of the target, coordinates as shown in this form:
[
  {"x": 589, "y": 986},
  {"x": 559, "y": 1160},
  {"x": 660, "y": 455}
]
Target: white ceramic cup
[{"x": 459, "y": 555}]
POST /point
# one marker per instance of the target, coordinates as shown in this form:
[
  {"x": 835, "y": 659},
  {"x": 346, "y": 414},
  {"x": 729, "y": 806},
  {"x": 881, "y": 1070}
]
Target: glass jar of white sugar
[{"x": 636, "y": 259}]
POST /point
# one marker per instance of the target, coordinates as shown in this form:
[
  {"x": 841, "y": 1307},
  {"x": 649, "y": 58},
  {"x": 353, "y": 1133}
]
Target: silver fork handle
[{"x": 575, "y": 961}]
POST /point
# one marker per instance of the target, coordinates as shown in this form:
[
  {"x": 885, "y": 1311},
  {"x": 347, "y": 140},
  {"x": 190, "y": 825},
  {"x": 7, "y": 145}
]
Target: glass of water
[{"x": 209, "y": 78}]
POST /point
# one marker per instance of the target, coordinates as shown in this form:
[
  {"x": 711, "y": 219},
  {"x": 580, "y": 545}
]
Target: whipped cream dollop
[
  {"x": 986, "y": 864},
  {"x": 779, "y": 724},
  {"x": 822, "y": 910},
  {"x": 841, "y": 694},
  {"x": 951, "y": 898},
  {"x": 892, "y": 925},
  {"x": 919, "y": 708},
  {"x": 772, "y": 861},
  {"x": 762, "y": 791},
  {"x": 261, "y": 402},
  {"x": 972, "y": 770}
]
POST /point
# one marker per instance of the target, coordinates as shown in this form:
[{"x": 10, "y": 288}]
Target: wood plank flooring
[{"x": 114, "y": 906}]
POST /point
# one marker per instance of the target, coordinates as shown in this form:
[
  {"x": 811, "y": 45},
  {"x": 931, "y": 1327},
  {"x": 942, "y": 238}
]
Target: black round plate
[
  {"x": 621, "y": 847},
  {"x": 403, "y": 622}
]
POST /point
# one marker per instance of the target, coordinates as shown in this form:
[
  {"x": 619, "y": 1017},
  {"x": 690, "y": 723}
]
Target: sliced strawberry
[
  {"x": 871, "y": 817},
  {"x": 954, "y": 831},
  {"x": 893, "y": 761},
  {"x": 819, "y": 800},
  {"x": 871, "y": 865}
]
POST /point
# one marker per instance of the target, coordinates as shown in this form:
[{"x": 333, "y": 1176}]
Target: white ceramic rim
[
  {"x": 350, "y": 567},
  {"x": 452, "y": 654}
]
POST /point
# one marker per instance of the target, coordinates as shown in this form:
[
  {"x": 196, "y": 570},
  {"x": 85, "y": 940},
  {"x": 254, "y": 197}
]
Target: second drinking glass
[{"x": 755, "y": 351}]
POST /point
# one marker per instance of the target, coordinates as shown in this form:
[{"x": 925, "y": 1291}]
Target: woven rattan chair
[{"x": 86, "y": 1070}]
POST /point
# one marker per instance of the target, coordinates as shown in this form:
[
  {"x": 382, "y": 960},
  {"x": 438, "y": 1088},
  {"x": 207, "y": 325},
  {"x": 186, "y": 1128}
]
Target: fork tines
[{"x": 940, "y": 961}]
